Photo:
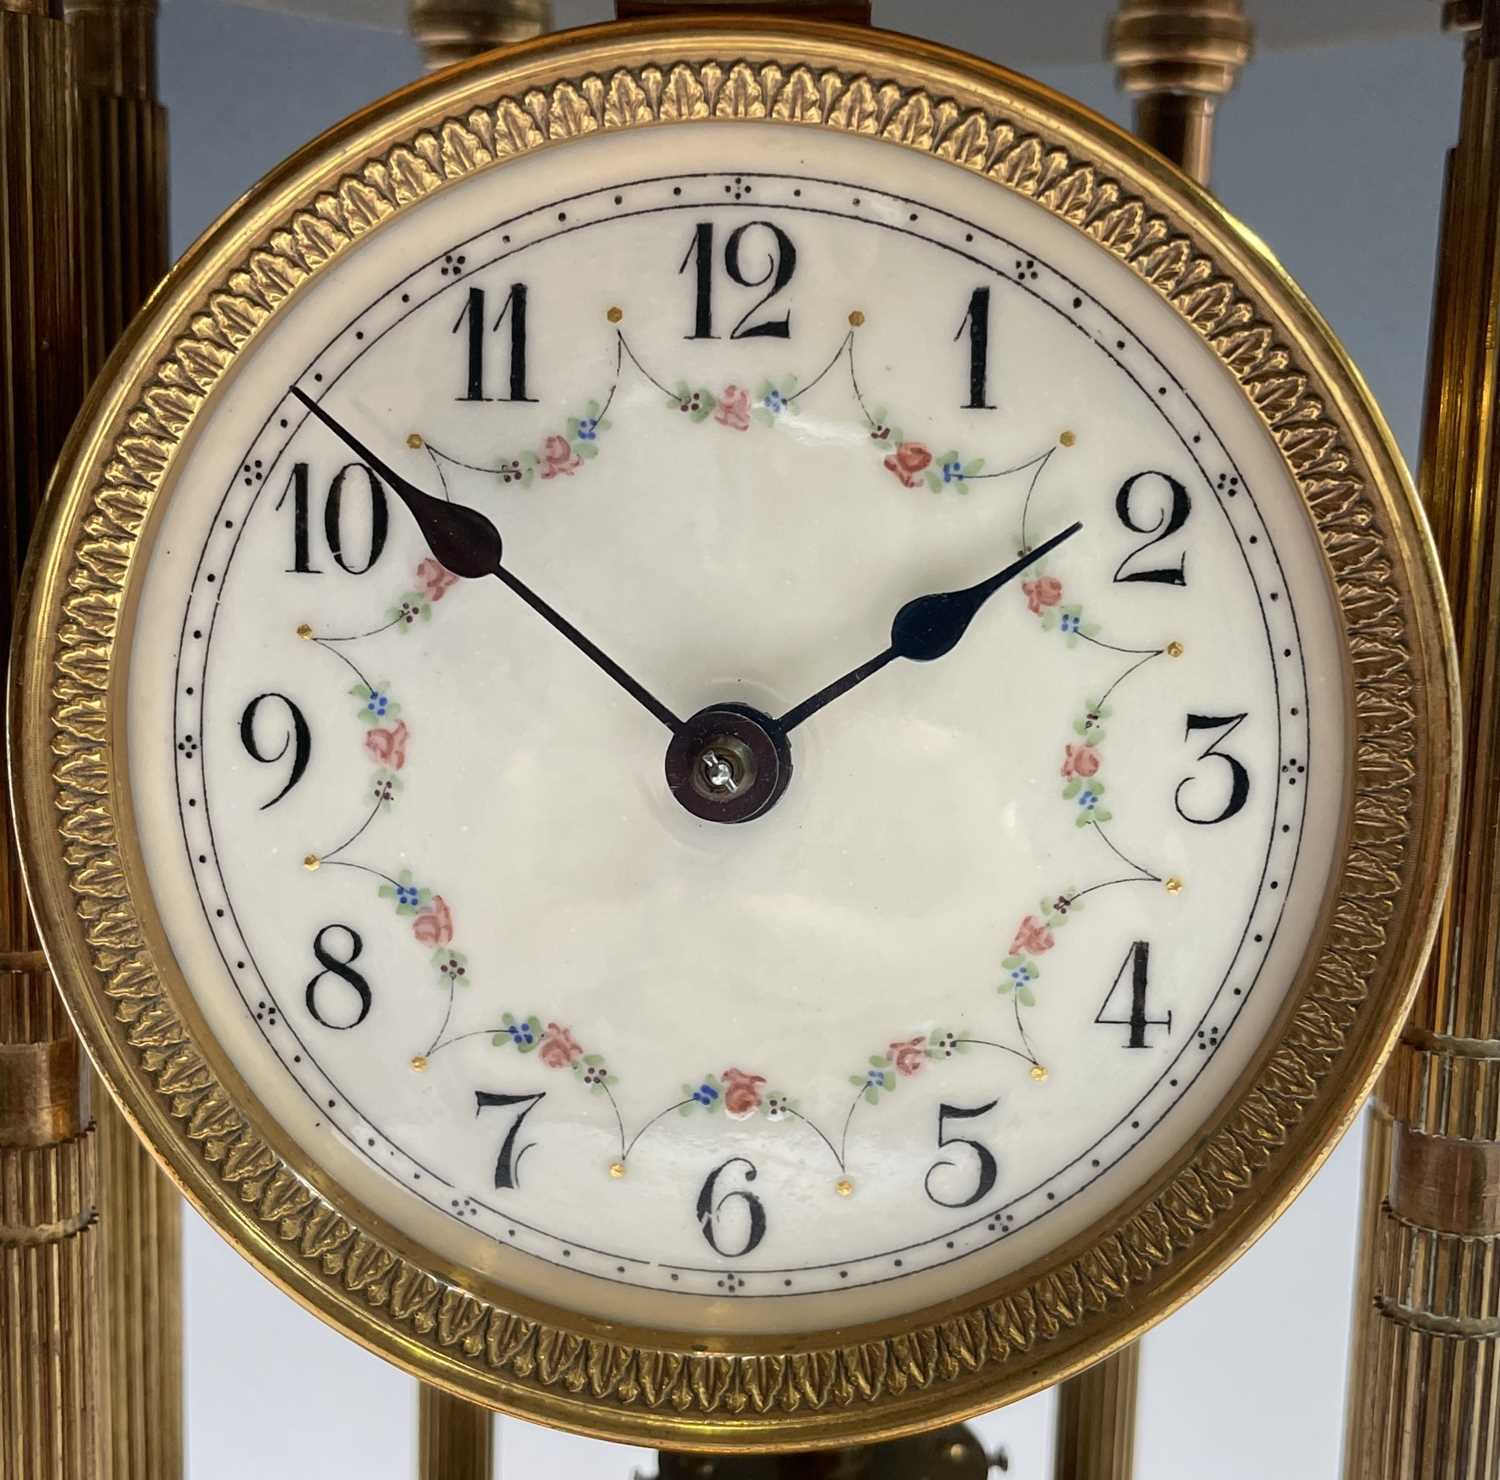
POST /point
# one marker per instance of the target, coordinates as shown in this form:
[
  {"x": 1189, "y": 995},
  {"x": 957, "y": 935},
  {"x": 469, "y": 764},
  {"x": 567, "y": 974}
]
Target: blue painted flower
[
  {"x": 588, "y": 428},
  {"x": 408, "y": 894},
  {"x": 878, "y": 1079},
  {"x": 521, "y": 1034},
  {"x": 1088, "y": 800},
  {"x": 1020, "y": 975},
  {"x": 1071, "y": 621},
  {"x": 378, "y": 703},
  {"x": 705, "y": 1094},
  {"x": 953, "y": 471},
  {"x": 774, "y": 401}
]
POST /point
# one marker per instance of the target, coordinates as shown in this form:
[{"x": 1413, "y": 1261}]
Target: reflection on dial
[{"x": 994, "y": 954}]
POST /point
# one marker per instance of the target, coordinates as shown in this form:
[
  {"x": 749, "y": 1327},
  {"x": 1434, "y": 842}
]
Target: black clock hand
[
  {"x": 926, "y": 628},
  {"x": 467, "y": 543}
]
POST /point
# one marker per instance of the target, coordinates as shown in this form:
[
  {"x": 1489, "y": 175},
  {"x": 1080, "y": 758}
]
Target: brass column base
[{"x": 953, "y": 1453}]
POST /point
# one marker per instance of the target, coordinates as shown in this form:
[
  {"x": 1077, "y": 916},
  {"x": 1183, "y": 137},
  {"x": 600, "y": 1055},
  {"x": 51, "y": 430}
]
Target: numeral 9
[{"x": 297, "y": 738}]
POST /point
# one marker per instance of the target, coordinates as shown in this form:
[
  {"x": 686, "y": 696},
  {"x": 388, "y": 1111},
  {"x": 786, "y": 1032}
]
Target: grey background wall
[{"x": 1334, "y": 156}]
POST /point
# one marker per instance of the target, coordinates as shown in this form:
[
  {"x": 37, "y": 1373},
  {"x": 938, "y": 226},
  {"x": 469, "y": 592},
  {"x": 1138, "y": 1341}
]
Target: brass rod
[
  {"x": 1424, "y": 1387},
  {"x": 52, "y": 1425},
  {"x": 123, "y": 180},
  {"x": 455, "y": 1438},
  {"x": 1177, "y": 57},
  {"x": 1095, "y": 1428}
]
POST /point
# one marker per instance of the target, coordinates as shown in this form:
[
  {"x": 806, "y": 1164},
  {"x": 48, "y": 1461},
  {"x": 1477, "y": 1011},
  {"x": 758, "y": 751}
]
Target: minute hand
[
  {"x": 926, "y": 628},
  {"x": 466, "y": 542}
]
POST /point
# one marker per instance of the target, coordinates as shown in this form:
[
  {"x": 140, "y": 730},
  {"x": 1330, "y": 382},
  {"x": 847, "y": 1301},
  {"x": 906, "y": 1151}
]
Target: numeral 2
[
  {"x": 977, "y": 321},
  {"x": 1171, "y": 518},
  {"x": 298, "y": 737},
  {"x": 333, "y": 519},
  {"x": 711, "y": 1205},
  {"x": 985, "y": 1166},
  {"x": 780, "y": 265},
  {"x": 471, "y": 323},
  {"x": 344, "y": 971},
  {"x": 1137, "y": 961},
  {"x": 508, "y": 1163},
  {"x": 1239, "y": 777}
]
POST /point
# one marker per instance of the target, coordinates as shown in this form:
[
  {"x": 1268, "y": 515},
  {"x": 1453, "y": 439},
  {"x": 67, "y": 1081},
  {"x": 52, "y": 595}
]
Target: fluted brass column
[
  {"x": 51, "y": 1425},
  {"x": 1095, "y": 1432},
  {"x": 1425, "y": 1379},
  {"x": 123, "y": 254}
]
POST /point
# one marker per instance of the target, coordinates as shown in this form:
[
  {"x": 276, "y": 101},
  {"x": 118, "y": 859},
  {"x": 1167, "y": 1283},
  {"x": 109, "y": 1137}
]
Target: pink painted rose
[
  {"x": 908, "y": 1055},
  {"x": 734, "y": 408},
  {"x": 388, "y": 747},
  {"x": 1032, "y": 938},
  {"x": 434, "y": 925},
  {"x": 435, "y": 578},
  {"x": 1044, "y": 591},
  {"x": 907, "y": 461},
  {"x": 1080, "y": 760},
  {"x": 741, "y": 1093},
  {"x": 558, "y": 457},
  {"x": 558, "y": 1047}
]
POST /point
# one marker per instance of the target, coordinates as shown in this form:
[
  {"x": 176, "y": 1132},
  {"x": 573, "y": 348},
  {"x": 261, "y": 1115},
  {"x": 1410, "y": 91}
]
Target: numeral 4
[{"x": 1137, "y": 964}]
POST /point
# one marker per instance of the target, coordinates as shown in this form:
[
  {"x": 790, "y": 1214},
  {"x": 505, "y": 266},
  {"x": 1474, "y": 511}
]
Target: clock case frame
[{"x": 495, "y": 1346}]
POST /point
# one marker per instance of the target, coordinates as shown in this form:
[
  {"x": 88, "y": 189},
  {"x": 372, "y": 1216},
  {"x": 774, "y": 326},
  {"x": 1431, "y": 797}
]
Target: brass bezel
[{"x": 654, "y": 1387}]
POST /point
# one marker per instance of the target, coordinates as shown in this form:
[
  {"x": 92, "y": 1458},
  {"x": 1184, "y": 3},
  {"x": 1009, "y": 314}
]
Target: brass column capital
[
  {"x": 450, "y": 31},
  {"x": 1177, "y": 58}
]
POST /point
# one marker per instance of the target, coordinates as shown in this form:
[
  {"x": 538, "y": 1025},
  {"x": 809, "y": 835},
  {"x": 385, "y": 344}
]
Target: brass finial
[
  {"x": 1177, "y": 58},
  {"x": 450, "y": 31}
]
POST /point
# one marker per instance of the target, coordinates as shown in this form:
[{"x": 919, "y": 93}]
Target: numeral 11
[{"x": 472, "y": 322}]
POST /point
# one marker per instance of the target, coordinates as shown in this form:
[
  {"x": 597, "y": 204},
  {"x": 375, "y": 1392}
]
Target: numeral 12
[{"x": 472, "y": 322}]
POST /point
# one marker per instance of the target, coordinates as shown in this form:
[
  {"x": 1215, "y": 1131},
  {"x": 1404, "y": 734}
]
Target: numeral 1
[
  {"x": 977, "y": 321},
  {"x": 1137, "y": 961},
  {"x": 471, "y": 323}
]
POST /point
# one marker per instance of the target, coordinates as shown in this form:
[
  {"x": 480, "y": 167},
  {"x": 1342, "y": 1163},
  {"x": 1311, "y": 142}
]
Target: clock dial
[
  {"x": 736, "y": 730},
  {"x": 741, "y": 752}
]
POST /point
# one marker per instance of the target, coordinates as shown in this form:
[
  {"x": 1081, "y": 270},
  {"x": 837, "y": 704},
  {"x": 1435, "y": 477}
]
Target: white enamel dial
[{"x": 731, "y": 396}]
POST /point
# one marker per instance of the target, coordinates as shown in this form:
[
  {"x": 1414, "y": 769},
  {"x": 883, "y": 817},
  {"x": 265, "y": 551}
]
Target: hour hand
[
  {"x": 468, "y": 544},
  {"x": 926, "y": 628}
]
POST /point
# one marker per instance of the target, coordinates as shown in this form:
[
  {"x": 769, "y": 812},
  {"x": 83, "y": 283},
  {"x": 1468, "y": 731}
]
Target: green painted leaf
[{"x": 586, "y": 449}]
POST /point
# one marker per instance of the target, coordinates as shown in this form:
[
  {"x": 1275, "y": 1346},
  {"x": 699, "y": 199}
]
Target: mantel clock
[{"x": 734, "y": 733}]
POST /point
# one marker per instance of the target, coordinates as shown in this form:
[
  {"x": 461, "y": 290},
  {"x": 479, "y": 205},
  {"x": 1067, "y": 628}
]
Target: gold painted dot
[
  {"x": 856, "y": 319},
  {"x": 1067, "y": 439},
  {"x": 311, "y": 862},
  {"x": 419, "y": 1062},
  {"x": 844, "y": 1187},
  {"x": 304, "y": 631},
  {"x": 1174, "y": 649},
  {"x": 1038, "y": 1073},
  {"x": 414, "y": 441},
  {"x": 615, "y": 315},
  {"x": 617, "y": 1169},
  {"x": 1174, "y": 885}
]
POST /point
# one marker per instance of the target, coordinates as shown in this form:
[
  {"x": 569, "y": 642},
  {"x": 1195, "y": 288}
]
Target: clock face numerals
[{"x": 722, "y": 716}]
